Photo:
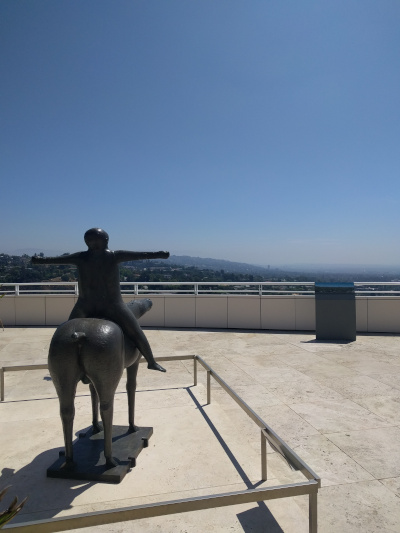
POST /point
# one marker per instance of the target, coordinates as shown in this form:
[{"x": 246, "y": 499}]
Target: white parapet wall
[{"x": 375, "y": 314}]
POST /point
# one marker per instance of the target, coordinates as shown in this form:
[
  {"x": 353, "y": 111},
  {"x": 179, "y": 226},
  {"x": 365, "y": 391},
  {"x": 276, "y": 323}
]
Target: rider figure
[{"x": 99, "y": 286}]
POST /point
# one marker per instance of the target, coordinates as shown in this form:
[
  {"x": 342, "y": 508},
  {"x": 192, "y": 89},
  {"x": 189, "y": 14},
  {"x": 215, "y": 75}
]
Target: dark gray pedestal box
[{"x": 335, "y": 311}]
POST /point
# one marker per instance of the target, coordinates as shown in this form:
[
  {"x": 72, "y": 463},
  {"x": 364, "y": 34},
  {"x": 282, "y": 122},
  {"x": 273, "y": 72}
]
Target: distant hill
[{"x": 220, "y": 264}]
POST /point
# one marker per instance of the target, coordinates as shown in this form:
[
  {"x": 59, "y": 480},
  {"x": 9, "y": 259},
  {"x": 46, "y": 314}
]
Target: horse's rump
[{"x": 87, "y": 347}]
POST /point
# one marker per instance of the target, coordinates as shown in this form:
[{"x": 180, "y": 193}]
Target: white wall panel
[
  {"x": 304, "y": 313},
  {"x": 362, "y": 314},
  {"x": 58, "y": 309},
  {"x": 212, "y": 311},
  {"x": 383, "y": 315},
  {"x": 180, "y": 312},
  {"x": 7, "y": 310},
  {"x": 278, "y": 312},
  {"x": 244, "y": 312},
  {"x": 30, "y": 311}
]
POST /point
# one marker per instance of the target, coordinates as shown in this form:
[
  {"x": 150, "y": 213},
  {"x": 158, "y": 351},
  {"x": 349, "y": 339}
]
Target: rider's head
[{"x": 96, "y": 239}]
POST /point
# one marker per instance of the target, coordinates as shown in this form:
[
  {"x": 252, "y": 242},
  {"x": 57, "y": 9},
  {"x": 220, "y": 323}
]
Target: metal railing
[
  {"x": 165, "y": 287},
  {"x": 309, "y": 487},
  {"x": 376, "y": 288},
  {"x": 264, "y": 288}
]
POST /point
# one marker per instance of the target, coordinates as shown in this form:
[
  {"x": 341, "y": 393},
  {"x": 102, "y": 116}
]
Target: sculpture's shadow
[{"x": 46, "y": 497}]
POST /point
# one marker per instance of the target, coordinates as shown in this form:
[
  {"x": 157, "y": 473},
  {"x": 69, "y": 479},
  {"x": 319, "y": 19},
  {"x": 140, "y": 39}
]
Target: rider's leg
[{"x": 130, "y": 326}]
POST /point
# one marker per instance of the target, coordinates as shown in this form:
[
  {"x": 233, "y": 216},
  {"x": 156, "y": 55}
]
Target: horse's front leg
[
  {"x": 66, "y": 389},
  {"x": 95, "y": 409},
  {"x": 131, "y": 374},
  {"x": 67, "y": 412}
]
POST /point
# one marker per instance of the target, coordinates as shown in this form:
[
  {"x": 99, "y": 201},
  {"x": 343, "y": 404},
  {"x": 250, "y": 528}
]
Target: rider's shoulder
[{"x": 110, "y": 255}]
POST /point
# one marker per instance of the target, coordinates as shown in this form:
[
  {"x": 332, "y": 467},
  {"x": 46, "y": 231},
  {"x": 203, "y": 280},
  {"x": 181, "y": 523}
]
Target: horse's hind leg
[
  {"x": 106, "y": 398},
  {"x": 131, "y": 383},
  {"x": 107, "y": 412},
  {"x": 66, "y": 395},
  {"x": 95, "y": 409},
  {"x": 65, "y": 374}
]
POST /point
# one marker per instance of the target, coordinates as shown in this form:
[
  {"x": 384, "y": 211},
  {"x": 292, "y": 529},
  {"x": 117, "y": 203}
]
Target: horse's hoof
[
  {"x": 96, "y": 429},
  {"x": 133, "y": 429},
  {"x": 111, "y": 463},
  {"x": 69, "y": 464}
]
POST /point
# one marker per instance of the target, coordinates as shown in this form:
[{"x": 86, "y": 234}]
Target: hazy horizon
[
  {"x": 310, "y": 267},
  {"x": 261, "y": 132}
]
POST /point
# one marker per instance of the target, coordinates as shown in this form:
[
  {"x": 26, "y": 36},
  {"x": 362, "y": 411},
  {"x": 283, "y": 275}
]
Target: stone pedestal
[{"x": 89, "y": 461}]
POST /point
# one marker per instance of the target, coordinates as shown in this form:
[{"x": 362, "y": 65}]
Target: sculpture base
[{"x": 89, "y": 462}]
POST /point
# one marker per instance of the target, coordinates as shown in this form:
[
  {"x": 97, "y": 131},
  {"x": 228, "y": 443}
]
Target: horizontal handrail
[
  {"x": 263, "y": 288},
  {"x": 151, "y": 510}
]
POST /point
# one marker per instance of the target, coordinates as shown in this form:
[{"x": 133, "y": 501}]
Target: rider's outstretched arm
[
  {"x": 67, "y": 259},
  {"x": 124, "y": 255}
]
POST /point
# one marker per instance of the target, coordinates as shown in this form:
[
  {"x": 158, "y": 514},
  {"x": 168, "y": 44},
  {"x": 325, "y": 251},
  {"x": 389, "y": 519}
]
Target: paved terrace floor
[{"x": 336, "y": 405}]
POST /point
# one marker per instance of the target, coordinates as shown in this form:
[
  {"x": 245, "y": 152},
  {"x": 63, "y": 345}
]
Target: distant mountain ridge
[{"x": 218, "y": 264}]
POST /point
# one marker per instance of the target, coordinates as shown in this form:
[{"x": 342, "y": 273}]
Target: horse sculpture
[{"x": 95, "y": 351}]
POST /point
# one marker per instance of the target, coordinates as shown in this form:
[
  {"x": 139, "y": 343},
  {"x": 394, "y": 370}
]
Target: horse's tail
[
  {"x": 139, "y": 307},
  {"x": 80, "y": 337}
]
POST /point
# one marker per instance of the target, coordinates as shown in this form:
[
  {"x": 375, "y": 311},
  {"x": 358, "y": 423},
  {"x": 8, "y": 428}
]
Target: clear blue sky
[{"x": 263, "y": 131}]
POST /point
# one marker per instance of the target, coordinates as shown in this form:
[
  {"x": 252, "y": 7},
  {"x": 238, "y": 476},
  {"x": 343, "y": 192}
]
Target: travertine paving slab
[
  {"x": 312, "y": 345},
  {"x": 363, "y": 355},
  {"x": 293, "y": 392},
  {"x": 328, "y": 416},
  {"x": 274, "y": 374},
  {"x": 333, "y": 465},
  {"x": 298, "y": 358},
  {"x": 392, "y": 379},
  {"x": 393, "y": 484},
  {"x": 358, "y": 386},
  {"x": 366, "y": 507},
  {"x": 286, "y": 422},
  {"x": 324, "y": 368},
  {"x": 376, "y": 450},
  {"x": 370, "y": 368},
  {"x": 387, "y": 406}
]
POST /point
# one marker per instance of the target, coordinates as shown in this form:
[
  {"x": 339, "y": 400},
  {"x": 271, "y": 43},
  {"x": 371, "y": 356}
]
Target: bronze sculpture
[{"x": 101, "y": 337}]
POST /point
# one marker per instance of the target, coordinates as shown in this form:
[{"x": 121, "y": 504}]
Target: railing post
[
  {"x": 313, "y": 513},
  {"x": 194, "y": 371},
  {"x": 208, "y": 387},
  {"x": 16, "y": 289},
  {"x": 196, "y": 289},
  {"x": 136, "y": 288},
  {"x": 263, "y": 456},
  {"x": 260, "y": 289},
  {"x": 2, "y": 384},
  {"x": 76, "y": 289}
]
